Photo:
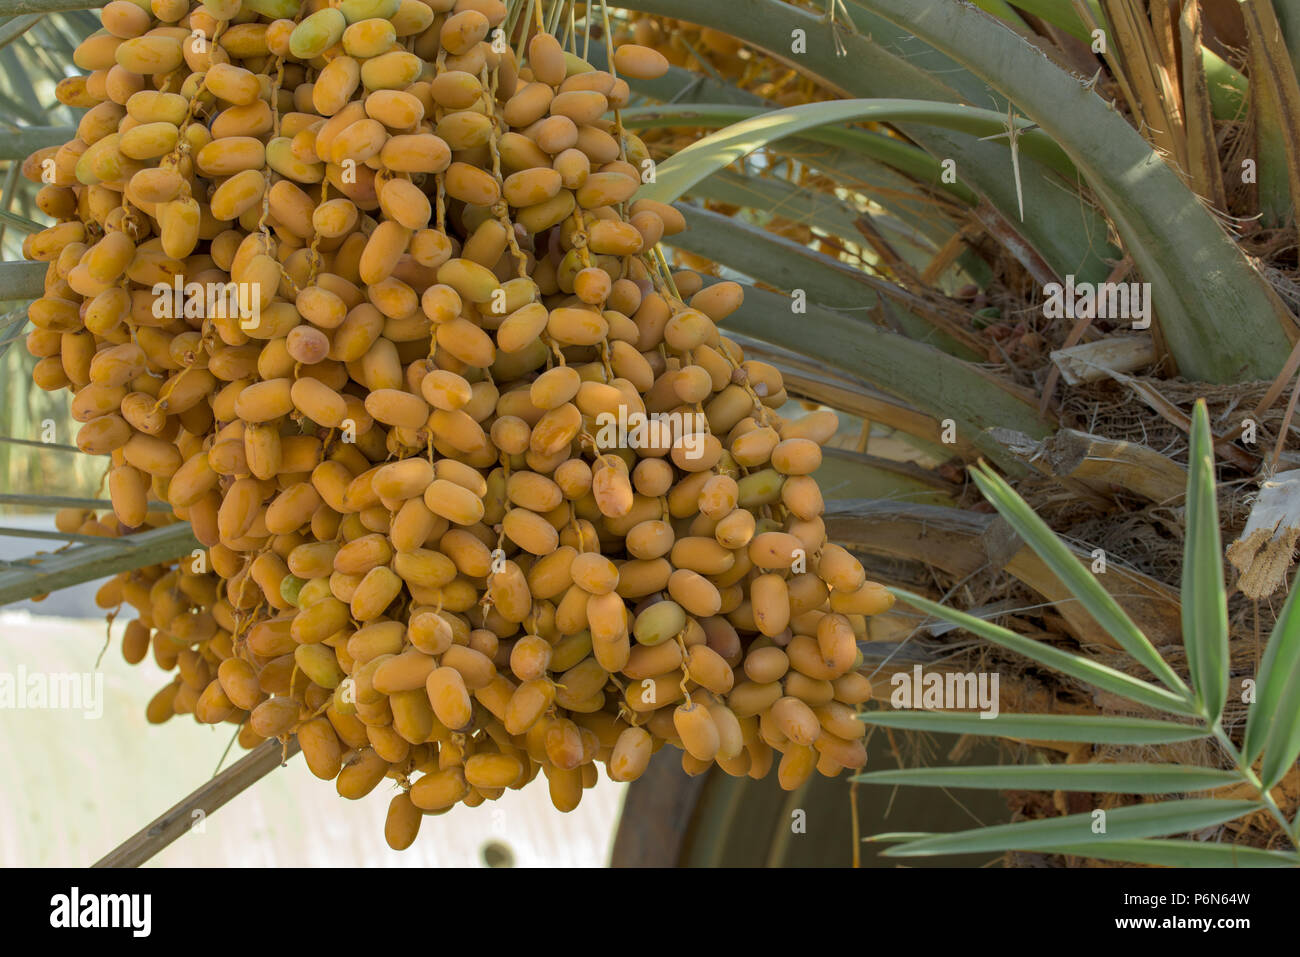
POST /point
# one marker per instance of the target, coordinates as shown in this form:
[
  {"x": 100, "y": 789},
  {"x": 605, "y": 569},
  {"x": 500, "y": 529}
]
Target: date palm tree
[{"x": 919, "y": 195}]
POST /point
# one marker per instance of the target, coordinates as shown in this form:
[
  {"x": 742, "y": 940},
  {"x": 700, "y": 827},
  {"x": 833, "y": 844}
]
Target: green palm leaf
[
  {"x": 1282, "y": 745},
  {"x": 1103, "y": 676},
  {"x": 923, "y": 376},
  {"x": 886, "y": 149},
  {"x": 1222, "y": 320},
  {"x": 1076, "y": 830},
  {"x": 1175, "y": 853},
  {"x": 871, "y": 69},
  {"x": 11, "y": 30},
  {"x": 772, "y": 196},
  {"x": 1274, "y": 723},
  {"x": 1135, "y": 778},
  {"x": 826, "y": 281},
  {"x": 1205, "y": 604},
  {"x": 107, "y": 556},
  {"x": 675, "y": 176},
  {"x": 22, "y": 280},
  {"x": 12, "y": 7},
  {"x": 1227, "y": 86},
  {"x": 1101, "y": 729},
  {"x": 1058, "y": 557}
]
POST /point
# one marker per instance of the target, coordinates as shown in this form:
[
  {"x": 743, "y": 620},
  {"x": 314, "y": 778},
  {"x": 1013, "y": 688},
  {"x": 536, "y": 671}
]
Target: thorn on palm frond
[
  {"x": 831, "y": 7},
  {"x": 1013, "y": 140}
]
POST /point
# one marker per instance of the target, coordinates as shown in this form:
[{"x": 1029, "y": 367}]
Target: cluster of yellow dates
[{"x": 368, "y": 300}]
